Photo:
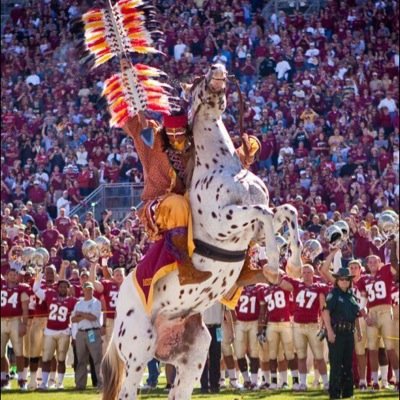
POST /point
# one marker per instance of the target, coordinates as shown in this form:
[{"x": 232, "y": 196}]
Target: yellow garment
[
  {"x": 174, "y": 212},
  {"x": 248, "y": 150},
  {"x": 231, "y": 303},
  {"x": 148, "y": 305}
]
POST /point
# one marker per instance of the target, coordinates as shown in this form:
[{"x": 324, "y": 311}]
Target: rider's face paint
[{"x": 177, "y": 142}]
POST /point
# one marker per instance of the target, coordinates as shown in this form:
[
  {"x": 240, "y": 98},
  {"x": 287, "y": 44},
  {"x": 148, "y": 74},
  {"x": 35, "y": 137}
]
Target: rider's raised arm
[{"x": 135, "y": 126}]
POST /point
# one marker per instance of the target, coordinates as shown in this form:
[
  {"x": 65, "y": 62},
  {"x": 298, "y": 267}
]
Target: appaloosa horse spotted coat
[{"x": 229, "y": 208}]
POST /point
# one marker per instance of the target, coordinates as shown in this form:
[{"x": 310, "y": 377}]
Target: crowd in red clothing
[{"x": 321, "y": 93}]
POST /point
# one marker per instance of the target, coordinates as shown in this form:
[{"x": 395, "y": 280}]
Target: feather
[{"x": 103, "y": 59}]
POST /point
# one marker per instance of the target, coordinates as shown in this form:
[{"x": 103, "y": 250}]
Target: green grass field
[{"x": 70, "y": 394}]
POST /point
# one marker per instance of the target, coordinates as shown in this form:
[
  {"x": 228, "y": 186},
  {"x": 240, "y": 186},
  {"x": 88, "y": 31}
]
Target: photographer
[{"x": 340, "y": 318}]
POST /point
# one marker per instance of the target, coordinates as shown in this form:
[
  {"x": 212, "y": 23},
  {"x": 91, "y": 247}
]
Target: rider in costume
[{"x": 165, "y": 159}]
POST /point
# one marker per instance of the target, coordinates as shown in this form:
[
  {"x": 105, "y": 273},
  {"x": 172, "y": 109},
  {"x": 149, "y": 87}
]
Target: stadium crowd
[{"x": 321, "y": 94}]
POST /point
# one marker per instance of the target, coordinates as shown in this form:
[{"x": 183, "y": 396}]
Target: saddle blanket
[{"x": 157, "y": 263}]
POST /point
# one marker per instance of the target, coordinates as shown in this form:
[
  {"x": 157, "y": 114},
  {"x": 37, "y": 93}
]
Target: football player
[
  {"x": 309, "y": 300},
  {"x": 395, "y": 305},
  {"x": 376, "y": 287},
  {"x": 274, "y": 307},
  {"x": 109, "y": 289},
  {"x": 228, "y": 326},
  {"x": 14, "y": 319},
  {"x": 246, "y": 326},
  {"x": 34, "y": 339},
  {"x": 57, "y": 335}
]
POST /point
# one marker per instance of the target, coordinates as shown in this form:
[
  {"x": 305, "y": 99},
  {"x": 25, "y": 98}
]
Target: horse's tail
[{"x": 112, "y": 370}]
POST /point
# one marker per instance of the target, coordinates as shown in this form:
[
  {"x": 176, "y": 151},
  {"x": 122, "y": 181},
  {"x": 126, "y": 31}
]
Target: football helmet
[
  {"x": 388, "y": 223},
  {"x": 311, "y": 250},
  {"x": 344, "y": 226},
  {"x": 27, "y": 255},
  {"x": 90, "y": 251},
  {"x": 40, "y": 258},
  {"x": 104, "y": 246},
  {"x": 334, "y": 236}
]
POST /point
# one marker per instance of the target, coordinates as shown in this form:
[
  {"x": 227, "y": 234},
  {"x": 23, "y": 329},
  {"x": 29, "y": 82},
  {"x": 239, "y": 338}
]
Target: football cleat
[
  {"x": 264, "y": 386},
  {"x": 59, "y": 386},
  {"x": 302, "y": 388},
  {"x": 250, "y": 386},
  {"x": 362, "y": 387},
  {"x": 234, "y": 384},
  {"x": 32, "y": 385},
  {"x": 295, "y": 386},
  {"x": 283, "y": 386},
  {"x": 222, "y": 384},
  {"x": 326, "y": 387},
  {"x": 23, "y": 387},
  {"x": 42, "y": 387},
  {"x": 375, "y": 387},
  {"x": 385, "y": 385},
  {"x": 5, "y": 385},
  {"x": 273, "y": 386}
]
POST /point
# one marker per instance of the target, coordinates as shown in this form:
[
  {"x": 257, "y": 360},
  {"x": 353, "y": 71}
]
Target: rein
[{"x": 241, "y": 108}]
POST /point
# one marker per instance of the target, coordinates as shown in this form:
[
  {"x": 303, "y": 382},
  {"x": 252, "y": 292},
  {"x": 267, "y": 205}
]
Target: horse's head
[{"x": 207, "y": 94}]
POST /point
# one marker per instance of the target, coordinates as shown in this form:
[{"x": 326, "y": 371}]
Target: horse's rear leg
[
  {"x": 190, "y": 363},
  {"x": 135, "y": 339},
  {"x": 131, "y": 383},
  {"x": 286, "y": 213}
]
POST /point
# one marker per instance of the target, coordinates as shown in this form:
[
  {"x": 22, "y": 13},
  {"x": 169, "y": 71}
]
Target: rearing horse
[{"x": 229, "y": 208}]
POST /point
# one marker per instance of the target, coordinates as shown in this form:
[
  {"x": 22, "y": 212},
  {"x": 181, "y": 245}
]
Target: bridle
[{"x": 231, "y": 78}]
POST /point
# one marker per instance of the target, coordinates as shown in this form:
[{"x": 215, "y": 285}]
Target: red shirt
[
  {"x": 11, "y": 303},
  {"x": 248, "y": 307},
  {"x": 378, "y": 287},
  {"x": 277, "y": 301},
  {"x": 361, "y": 246},
  {"x": 60, "y": 309},
  {"x": 306, "y": 298},
  {"x": 84, "y": 179},
  {"x": 5, "y": 266},
  {"x": 36, "y": 195},
  {"x": 41, "y": 306},
  {"x": 56, "y": 261},
  {"x": 110, "y": 295},
  {"x": 63, "y": 225},
  {"x": 32, "y": 300},
  {"x": 41, "y": 220},
  {"x": 49, "y": 238}
]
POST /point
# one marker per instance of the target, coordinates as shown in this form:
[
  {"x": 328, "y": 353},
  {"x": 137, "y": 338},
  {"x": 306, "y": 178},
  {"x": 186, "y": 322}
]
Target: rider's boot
[
  {"x": 177, "y": 242},
  {"x": 248, "y": 275}
]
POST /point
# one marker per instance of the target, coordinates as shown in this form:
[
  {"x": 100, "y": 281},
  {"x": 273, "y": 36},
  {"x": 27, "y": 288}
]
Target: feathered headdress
[
  {"x": 118, "y": 30},
  {"x": 134, "y": 90}
]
